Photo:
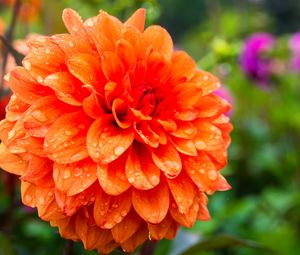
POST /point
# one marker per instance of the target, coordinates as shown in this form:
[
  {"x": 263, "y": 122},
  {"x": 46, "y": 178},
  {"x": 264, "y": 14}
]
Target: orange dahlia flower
[{"x": 117, "y": 137}]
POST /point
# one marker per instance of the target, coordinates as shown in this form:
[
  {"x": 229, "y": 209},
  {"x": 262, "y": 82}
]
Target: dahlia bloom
[
  {"x": 117, "y": 137},
  {"x": 294, "y": 44},
  {"x": 252, "y": 59}
]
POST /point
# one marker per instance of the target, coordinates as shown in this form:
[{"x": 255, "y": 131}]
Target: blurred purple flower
[
  {"x": 223, "y": 92},
  {"x": 253, "y": 60},
  {"x": 294, "y": 44}
]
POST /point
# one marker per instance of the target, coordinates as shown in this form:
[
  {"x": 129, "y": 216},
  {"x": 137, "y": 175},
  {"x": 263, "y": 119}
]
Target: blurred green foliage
[{"x": 261, "y": 214}]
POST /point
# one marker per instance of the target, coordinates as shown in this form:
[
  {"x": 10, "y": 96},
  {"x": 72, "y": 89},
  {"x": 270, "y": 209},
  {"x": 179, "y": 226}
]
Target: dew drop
[
  {"x": 11, "y": 134},
  {"x": 66, "y": 174},
  {"x": 26, "y": 64},
  {"x": 77, "y": 171},
  {"x": 68, "y": 132},
  {"x": 108, "y": 225},
  {"x": 90, "y": 23},
  {"x": 47, "y": 51},
  {"x": 41, "y": 200},
  {"x": 119, "y": 150},
  {"x": 97, "y": 155},
  {"x": 40, "y": 79},
  {"x": 154, "y": 179},
  {"x": 28, "y": 198},
  {"x": 117, "y": 218},
  {"x": 212, "y": 175},
  {"x": 131, "y": 180},
  {"x": 123, "y": 213}
]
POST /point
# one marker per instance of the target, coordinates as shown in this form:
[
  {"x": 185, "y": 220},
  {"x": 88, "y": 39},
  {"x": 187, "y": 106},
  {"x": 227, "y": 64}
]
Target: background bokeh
[{"x": 261, "y": 214}]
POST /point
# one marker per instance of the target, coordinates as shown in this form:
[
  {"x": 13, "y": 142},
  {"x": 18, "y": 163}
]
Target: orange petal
[
  {"x": 11, "y": 163},
  {"x": 107, "y": 248},
  {"x": 66, "y": 227},
  {"x": 71, "y": 45},
  {"x": 145, "y": 134},
  {"x": 188, "y": 218},
  {"x": 209, "y": 137},
  {"x": 183, "y": 67},
  {"x": 42, "y": 62},
  {"x": 127, "y": 227},
  {"x": 137, "y": 19},
  {"x": 167, "y": 158},
  {"x": 184, "y": 146},
  {"x": 183, "y": 191},
  {"x": 105, "y": 31},
  {"x": 203, "y": 213},
  {"x": 204, "y": 174},
  {"x": 91, "y": 236},
  {"x": 92, "y": 107},
  {"x": 126, "y": 53},
  {"x": 74, "y": 25},
  {"x": 206, "y": 82},
  {"x": 87, "y": 68},
  {"x": 33, "y": 145},
  {"x": 39, "y": 172},
  {"x": 112, "y": 66},
  {"x": 25, "y": 88},
  {"x": 112, "y": 177},
  {"x": 75, "y": 177},
  {"x": 136, "y": 239},
  {"x": 65, "y": 141},
  {"x": 159, "y": 39},
  {"x": 111, "y": 210},
  {"x": 106, "y": 142},
  {"x": 185, "y": 91},
  {"x": 28, "y": 194},
  {"x": 159, "y": 231},
  {"x": 69, "y": 205},
  {"x": 152, "y": 205},
  {"x": 15, "y": 108},
  {"x": 141, "y": 171},
  {"x": 67, "y": 88},
  {"x": 5, "y": 127},
  {"x": 208, "y": 106},
  {"x": 119, "y": 110},
  {"x": 42, "y": 114},
  {"x": 184, "y": 130},
  {"x": 172, "y": 231}
]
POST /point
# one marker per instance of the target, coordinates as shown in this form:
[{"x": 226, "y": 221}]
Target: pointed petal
[
  {"x": 74, "y": 25},
  {"x": 126, "y": 53},
  {"x": 159, "y": 39},
  {"x": 87, "y": 68},
  {"x": 204, "y": 173},
  {"x": 159, "y": 231},
  {"x": 42, "y": 114},
  {"x": 42, "y": 62},
  {"x": 137, "y": 19},
  {"x": 127, "y": 227},
  {"x": 39, "y": 172},
  {"x": 67, "y": 88},
  {"x": 65, "y": 141},
  {"x": 136, "y": 239},
  {"x": 119, "y": 110},
  {"x": 11, "y": 163},
  {"x": 25, "y": 87},
  {"x": 167, "y": 158},
  {"x": 183, "y": 67},
  {"x": 75, "y": 177},
  {"x": 112, "y": 66},
  {"x": 184, "y": 146},
  {"x": 15, "y": 108},
  {"x": 203, "y": 213},
  {"x": 206, "y": 82},
  {"x": 184, "y": 129},
  {"x": 91, "y": 236},
  {"x": 112, "y": 177},
  {"x": 183, "y": 191},
  {"x": 107, "y": 248},
  {"x": 188, "y": 218},
  {"x": 152, "y": 205},
  {"x": 111, "y": 210},
  {"x": 106, "y": 142},
  {"x": 141, "y": 171},
  {"x": 92, "y": 107}
]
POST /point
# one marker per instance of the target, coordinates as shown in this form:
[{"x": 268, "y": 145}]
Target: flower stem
[{"x": 10, "y": 34}]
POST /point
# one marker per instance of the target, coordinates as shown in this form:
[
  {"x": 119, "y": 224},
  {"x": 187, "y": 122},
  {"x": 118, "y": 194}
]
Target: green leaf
[
  {"x": 223, "y": 241},
  {"x": 6, "y": 246}
]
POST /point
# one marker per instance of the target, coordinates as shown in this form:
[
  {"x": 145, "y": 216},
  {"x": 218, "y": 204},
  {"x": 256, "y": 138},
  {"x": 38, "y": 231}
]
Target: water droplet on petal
[
  {"x": 66, "y": 174},
  {"x": 11, "y": 134},
  {"x": 26, "y": 64},
  {"x": 68, "y": 132},
  {"x": 40, "y": 79},
  {"x": 119, "y": 150},
  {"x": 212, "y": 175},
  {"x": 77, "y": 171}
]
